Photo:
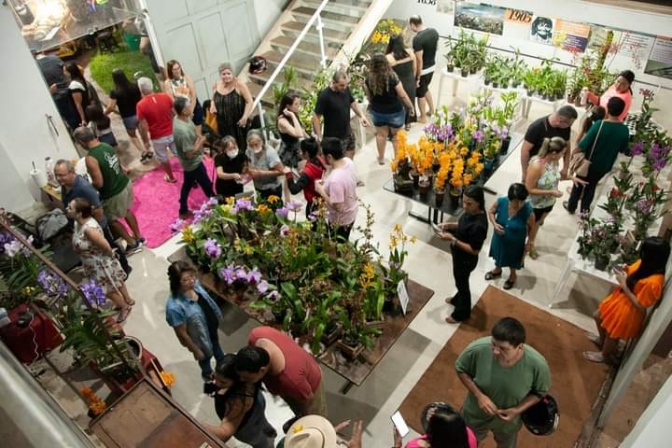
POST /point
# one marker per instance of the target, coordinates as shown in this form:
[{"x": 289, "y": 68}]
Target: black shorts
[
  {"x": 423, "y": 87},
  {"x": 539, "y": 212}
]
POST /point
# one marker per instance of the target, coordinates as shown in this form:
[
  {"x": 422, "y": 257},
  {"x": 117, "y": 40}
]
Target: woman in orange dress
[{"x": 621, "y": 314}]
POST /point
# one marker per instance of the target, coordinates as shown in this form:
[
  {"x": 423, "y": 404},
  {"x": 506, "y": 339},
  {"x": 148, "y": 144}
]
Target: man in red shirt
[
  {"x": 286, "y": 370},
  {"x": 155, "y": 114}
]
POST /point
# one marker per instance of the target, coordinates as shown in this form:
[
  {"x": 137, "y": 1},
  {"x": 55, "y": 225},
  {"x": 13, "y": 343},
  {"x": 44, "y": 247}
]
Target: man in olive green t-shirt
[
  {"x": 504, "y": 377},
  {"x": 114, "y": 187},
  {"x": 190, "y": 152}
]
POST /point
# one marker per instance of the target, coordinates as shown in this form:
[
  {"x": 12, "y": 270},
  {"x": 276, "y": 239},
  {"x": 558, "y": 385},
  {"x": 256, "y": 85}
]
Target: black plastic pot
[{"x": 464, "y": 73}]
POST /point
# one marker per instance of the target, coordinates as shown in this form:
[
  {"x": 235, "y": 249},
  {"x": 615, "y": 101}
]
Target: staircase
[{"x": 346, "y": 24}]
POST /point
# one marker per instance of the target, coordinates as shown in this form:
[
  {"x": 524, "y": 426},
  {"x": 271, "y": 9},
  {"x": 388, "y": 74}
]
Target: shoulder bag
[{"x": 579, "y": 164}]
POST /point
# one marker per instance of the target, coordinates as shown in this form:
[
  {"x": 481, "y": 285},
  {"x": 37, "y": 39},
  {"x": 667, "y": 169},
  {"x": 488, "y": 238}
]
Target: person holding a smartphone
[
  {"x": 445, "y": 428},
  {"x": 621, "y": 314},
  {"x": 466, "y": 239}
]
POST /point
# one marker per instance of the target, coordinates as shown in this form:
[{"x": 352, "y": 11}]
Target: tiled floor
[{"x": 428, "y": 263}]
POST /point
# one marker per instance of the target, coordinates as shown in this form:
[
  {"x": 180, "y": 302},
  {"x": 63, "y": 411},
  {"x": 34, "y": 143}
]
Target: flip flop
[
  {"x": 131, "y": 303},
  {"x": 146, "y": 156},
  {"x": 169, "y": 180},
  {"x": 595, "y": 339},
  {"x": 509, "y": 284},
  {"x": 123, "y": 314},
  {"x": 594, "y": 356},
  {"x": 533, "y": 254},
  {"x": 492, "y": 275}
]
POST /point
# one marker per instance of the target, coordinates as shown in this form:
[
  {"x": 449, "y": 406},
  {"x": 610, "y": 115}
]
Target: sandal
[
  {"x": 595, "y": 339},
  {"x": 594, "y": 356},
  {"x": 509, "y": 284},
  {"x": 169, "y": 180},
  {"x": 146, "y": 156},
  {"x": 381, "y": 161},
  {"x": 407, "y": 127},
  {"x": 491, "y": 275},
  {"x": 123, "y": 314},
  {"x": 131, "y": 303}
]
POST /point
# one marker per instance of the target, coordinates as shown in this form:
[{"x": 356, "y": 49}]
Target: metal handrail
[{"x": 283, "y": 62}]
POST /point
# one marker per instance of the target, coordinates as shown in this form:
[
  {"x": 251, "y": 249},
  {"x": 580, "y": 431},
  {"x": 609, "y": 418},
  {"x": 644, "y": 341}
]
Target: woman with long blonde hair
[
  {"x": 543, "y": 177},
  {"x": 387, "y": 98}
]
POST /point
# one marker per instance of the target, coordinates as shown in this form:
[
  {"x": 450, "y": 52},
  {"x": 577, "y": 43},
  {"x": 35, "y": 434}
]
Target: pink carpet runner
[{"x": 157, "y": 203}]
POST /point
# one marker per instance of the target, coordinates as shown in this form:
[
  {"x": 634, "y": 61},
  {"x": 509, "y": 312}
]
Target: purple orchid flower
[
  {"x": 241, "y": 274},
  {"x": 212, "y": 248},
  {"x": 178, "y": 225},
  {"x": 51, "y": 284},
  {"x": 294, "y": 206},
  {"x": 254, "y": 276},
  {"x": 227, "y": 274},
  {"x": 637, "y": 149},
  {"x": 262, "y": 287},
  {"x": 244, "y": 204},
  {"x": 93, "y": 293},
  {"x": 273, "y": 296},
  {"x": 282, "y": 212},
  {"x": 478, "y": 135},
  {"x": 284, "y": 230}
]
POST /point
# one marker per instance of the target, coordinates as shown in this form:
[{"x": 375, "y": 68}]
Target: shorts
[
  {"x": 423, "y": 86},
  {"x": 130, "y": 123},
  {"x": 348, "y": 142},
  {"x": 116, "y": 207},
  {"x": 161, "y": 146},
  {"x": 539, "y": 212},
  {"x": 393, "y": 120}
]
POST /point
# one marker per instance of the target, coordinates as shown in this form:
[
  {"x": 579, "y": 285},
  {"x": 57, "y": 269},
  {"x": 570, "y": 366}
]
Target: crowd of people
[{"x": 503, "y": 375}]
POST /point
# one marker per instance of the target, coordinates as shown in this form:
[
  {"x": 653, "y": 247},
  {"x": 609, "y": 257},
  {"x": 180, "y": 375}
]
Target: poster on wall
[
  {"x": 571, "y": 36},
  {"x": 445, "y": 6},
  {"x": 480, "y": 17},
  {"x": 541, "y": 30},
  {"x": 660, "y": 60},
  {"x": 636, "y": 46},
  {"x": 517, "y": 24}
]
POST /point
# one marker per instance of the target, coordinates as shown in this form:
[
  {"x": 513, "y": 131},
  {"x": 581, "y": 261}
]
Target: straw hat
[{"x": 312, "y": 431}]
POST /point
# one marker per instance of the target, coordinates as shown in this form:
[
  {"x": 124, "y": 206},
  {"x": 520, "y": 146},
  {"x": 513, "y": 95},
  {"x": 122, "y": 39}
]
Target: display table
[
  {"x": 575, "y": 263},
  {"x": 436, "y": 213},
  {"x": 528, "y": 100},
  {"x": 355, "y": 372},
  {"x": 455, "y": 76}
]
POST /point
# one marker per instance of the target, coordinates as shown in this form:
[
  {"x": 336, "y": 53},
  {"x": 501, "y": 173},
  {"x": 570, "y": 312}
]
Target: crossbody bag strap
[{"x": 599, "y": 131}]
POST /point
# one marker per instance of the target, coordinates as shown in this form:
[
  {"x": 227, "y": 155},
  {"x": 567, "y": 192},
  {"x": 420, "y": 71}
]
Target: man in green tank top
[
  {"x": 504, "y": 377},
  {"x": 113, "y": 185}
]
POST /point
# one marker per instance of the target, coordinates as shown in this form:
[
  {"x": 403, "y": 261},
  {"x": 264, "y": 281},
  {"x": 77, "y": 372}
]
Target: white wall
[
  {"x": 25, "y": 135},
  {"x": 652, "y": 429},
  {"x": 267, "y": 12},
  {"x": 570, "y": 10}
]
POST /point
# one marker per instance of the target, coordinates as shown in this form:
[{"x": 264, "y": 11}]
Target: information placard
[{"x": 403, "y": 296}]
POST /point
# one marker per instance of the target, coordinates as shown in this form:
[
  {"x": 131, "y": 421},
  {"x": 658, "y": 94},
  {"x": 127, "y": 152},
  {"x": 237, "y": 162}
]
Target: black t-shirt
[
  {"x": 210, "y": 316},
  {"x": 541, "y": 129},
  {"x": 387, "y": 101},
  {"x": 427, "y": 41},
  {"x": 126, "y": 100},
  {"x": 472, "y": 230},
  {"x": 229, "y": 187},
  {"x": 335, "y": 108},
  {"x": 52, "y": 71}
]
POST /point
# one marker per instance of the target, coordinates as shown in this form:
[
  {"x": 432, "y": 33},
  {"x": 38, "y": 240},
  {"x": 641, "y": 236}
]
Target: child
[{"x": 100, "y": 124}]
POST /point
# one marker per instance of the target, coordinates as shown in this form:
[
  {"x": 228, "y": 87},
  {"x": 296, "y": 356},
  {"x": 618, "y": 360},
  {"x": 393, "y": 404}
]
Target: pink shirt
[
  {"x": 414, "y": 443},
  {"x": 626, "y": 97},
  {"x": 341, "y": 186}
]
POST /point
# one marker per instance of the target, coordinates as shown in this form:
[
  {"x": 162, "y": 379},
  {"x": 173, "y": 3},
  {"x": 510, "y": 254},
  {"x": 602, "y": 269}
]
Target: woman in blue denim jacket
[{"x": 194, "y": 316}]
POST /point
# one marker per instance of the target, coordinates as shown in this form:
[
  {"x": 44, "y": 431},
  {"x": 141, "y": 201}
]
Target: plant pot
[
  {"x": 488, "y": 164},
  {"x": 601, "y": 263},
  {"x": 423, "y": 187},
  {"x": 402, "y": 185},
  {"x": 435, "y": 167},
  {"x": 515, "y": 84},
  {"x": 331, "y": 337},
  {"x": 415, "y": 176},
  {"x": 473, "y": 70},
  {"x": 495, "y": 84},
  {"x": 530, "y": 92},
  {"x": 505, "y": 146},
  {"x": 438, "y": 197},
  {"x": 450, "y": 68},
  {"x": 349, "y": 351},
  {"x": 571, "y": 98},
  {"x": 487, "y": 81},
  {"x": 455, "y": 195},
  {"x": 279, "y": 315},
  {"x": 464, "y": 73}
]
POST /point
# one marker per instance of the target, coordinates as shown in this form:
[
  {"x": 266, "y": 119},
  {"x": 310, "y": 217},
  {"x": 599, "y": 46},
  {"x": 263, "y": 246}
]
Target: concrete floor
[{"x": 428, "y": 263}]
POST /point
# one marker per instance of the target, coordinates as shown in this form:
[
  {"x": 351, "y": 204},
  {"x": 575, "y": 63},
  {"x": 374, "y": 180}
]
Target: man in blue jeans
[{"x": 190, "y": 152}]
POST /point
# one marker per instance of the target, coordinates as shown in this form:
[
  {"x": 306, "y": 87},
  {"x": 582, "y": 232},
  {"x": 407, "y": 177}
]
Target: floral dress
[
  {"x": 103, "y": 268},
  {"x": 548, "y": 180}
]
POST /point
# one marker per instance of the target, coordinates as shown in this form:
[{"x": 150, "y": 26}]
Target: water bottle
[
  {"x": 49, "y": 169},
  {"x": 583, "y": 97}
]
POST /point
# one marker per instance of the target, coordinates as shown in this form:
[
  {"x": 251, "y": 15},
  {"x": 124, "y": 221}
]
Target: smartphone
[
  {"x": 400, "y": 424},
  {"x": 437, "y": 229}
]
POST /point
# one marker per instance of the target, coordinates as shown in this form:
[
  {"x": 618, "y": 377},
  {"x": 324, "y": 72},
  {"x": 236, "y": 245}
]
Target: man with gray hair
[
  {"x": 114, "y": 187},
  {"x": 73, "y": 187},
  {"x": 190, "y": 153},
  {"x": 558, "y": 124},
  {"x": 155, "y": 114}
]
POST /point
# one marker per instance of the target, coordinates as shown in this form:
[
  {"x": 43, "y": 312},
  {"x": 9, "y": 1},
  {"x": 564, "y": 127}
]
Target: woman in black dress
[
  {"x": 124, "y": 97},
  {"x": 232, "y": 102},
  {"x": 403, "y": 63},
  {"x": 466, "y": 240},
  {"x": 231, "y": 164},
  {"x": 241, "y": 407}
]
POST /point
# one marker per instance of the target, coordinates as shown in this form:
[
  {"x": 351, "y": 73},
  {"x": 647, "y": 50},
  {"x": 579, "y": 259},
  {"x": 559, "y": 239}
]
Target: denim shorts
[
  {"x": 131, "y": 123},
  {"x": 393, "y": 120}
]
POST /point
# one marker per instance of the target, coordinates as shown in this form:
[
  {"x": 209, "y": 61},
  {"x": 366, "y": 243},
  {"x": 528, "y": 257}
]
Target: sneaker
[
  {"x": 187, "y": 215},
  {"x": 127, "y": 273},
  {"x": 133, "y": 248},
  {"x": 565, "y": 204}
]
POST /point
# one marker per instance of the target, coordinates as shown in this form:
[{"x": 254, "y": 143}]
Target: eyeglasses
[{"x": 188, "y": 279}]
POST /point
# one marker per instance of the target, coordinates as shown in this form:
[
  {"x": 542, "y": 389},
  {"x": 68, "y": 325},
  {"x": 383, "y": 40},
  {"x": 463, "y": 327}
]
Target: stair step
[
  {"x": 358, "y": 7},
  {"x": 304, "y": 65},
  {"x": 327, "y": 16},
  {"x": 329, "y": 34},
  {"x": 283, "y": 43},
  {"x": 262, "y": 78}
]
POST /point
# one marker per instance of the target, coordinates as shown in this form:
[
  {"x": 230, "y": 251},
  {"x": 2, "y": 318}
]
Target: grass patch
[{"x": 101, "y": 67}]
